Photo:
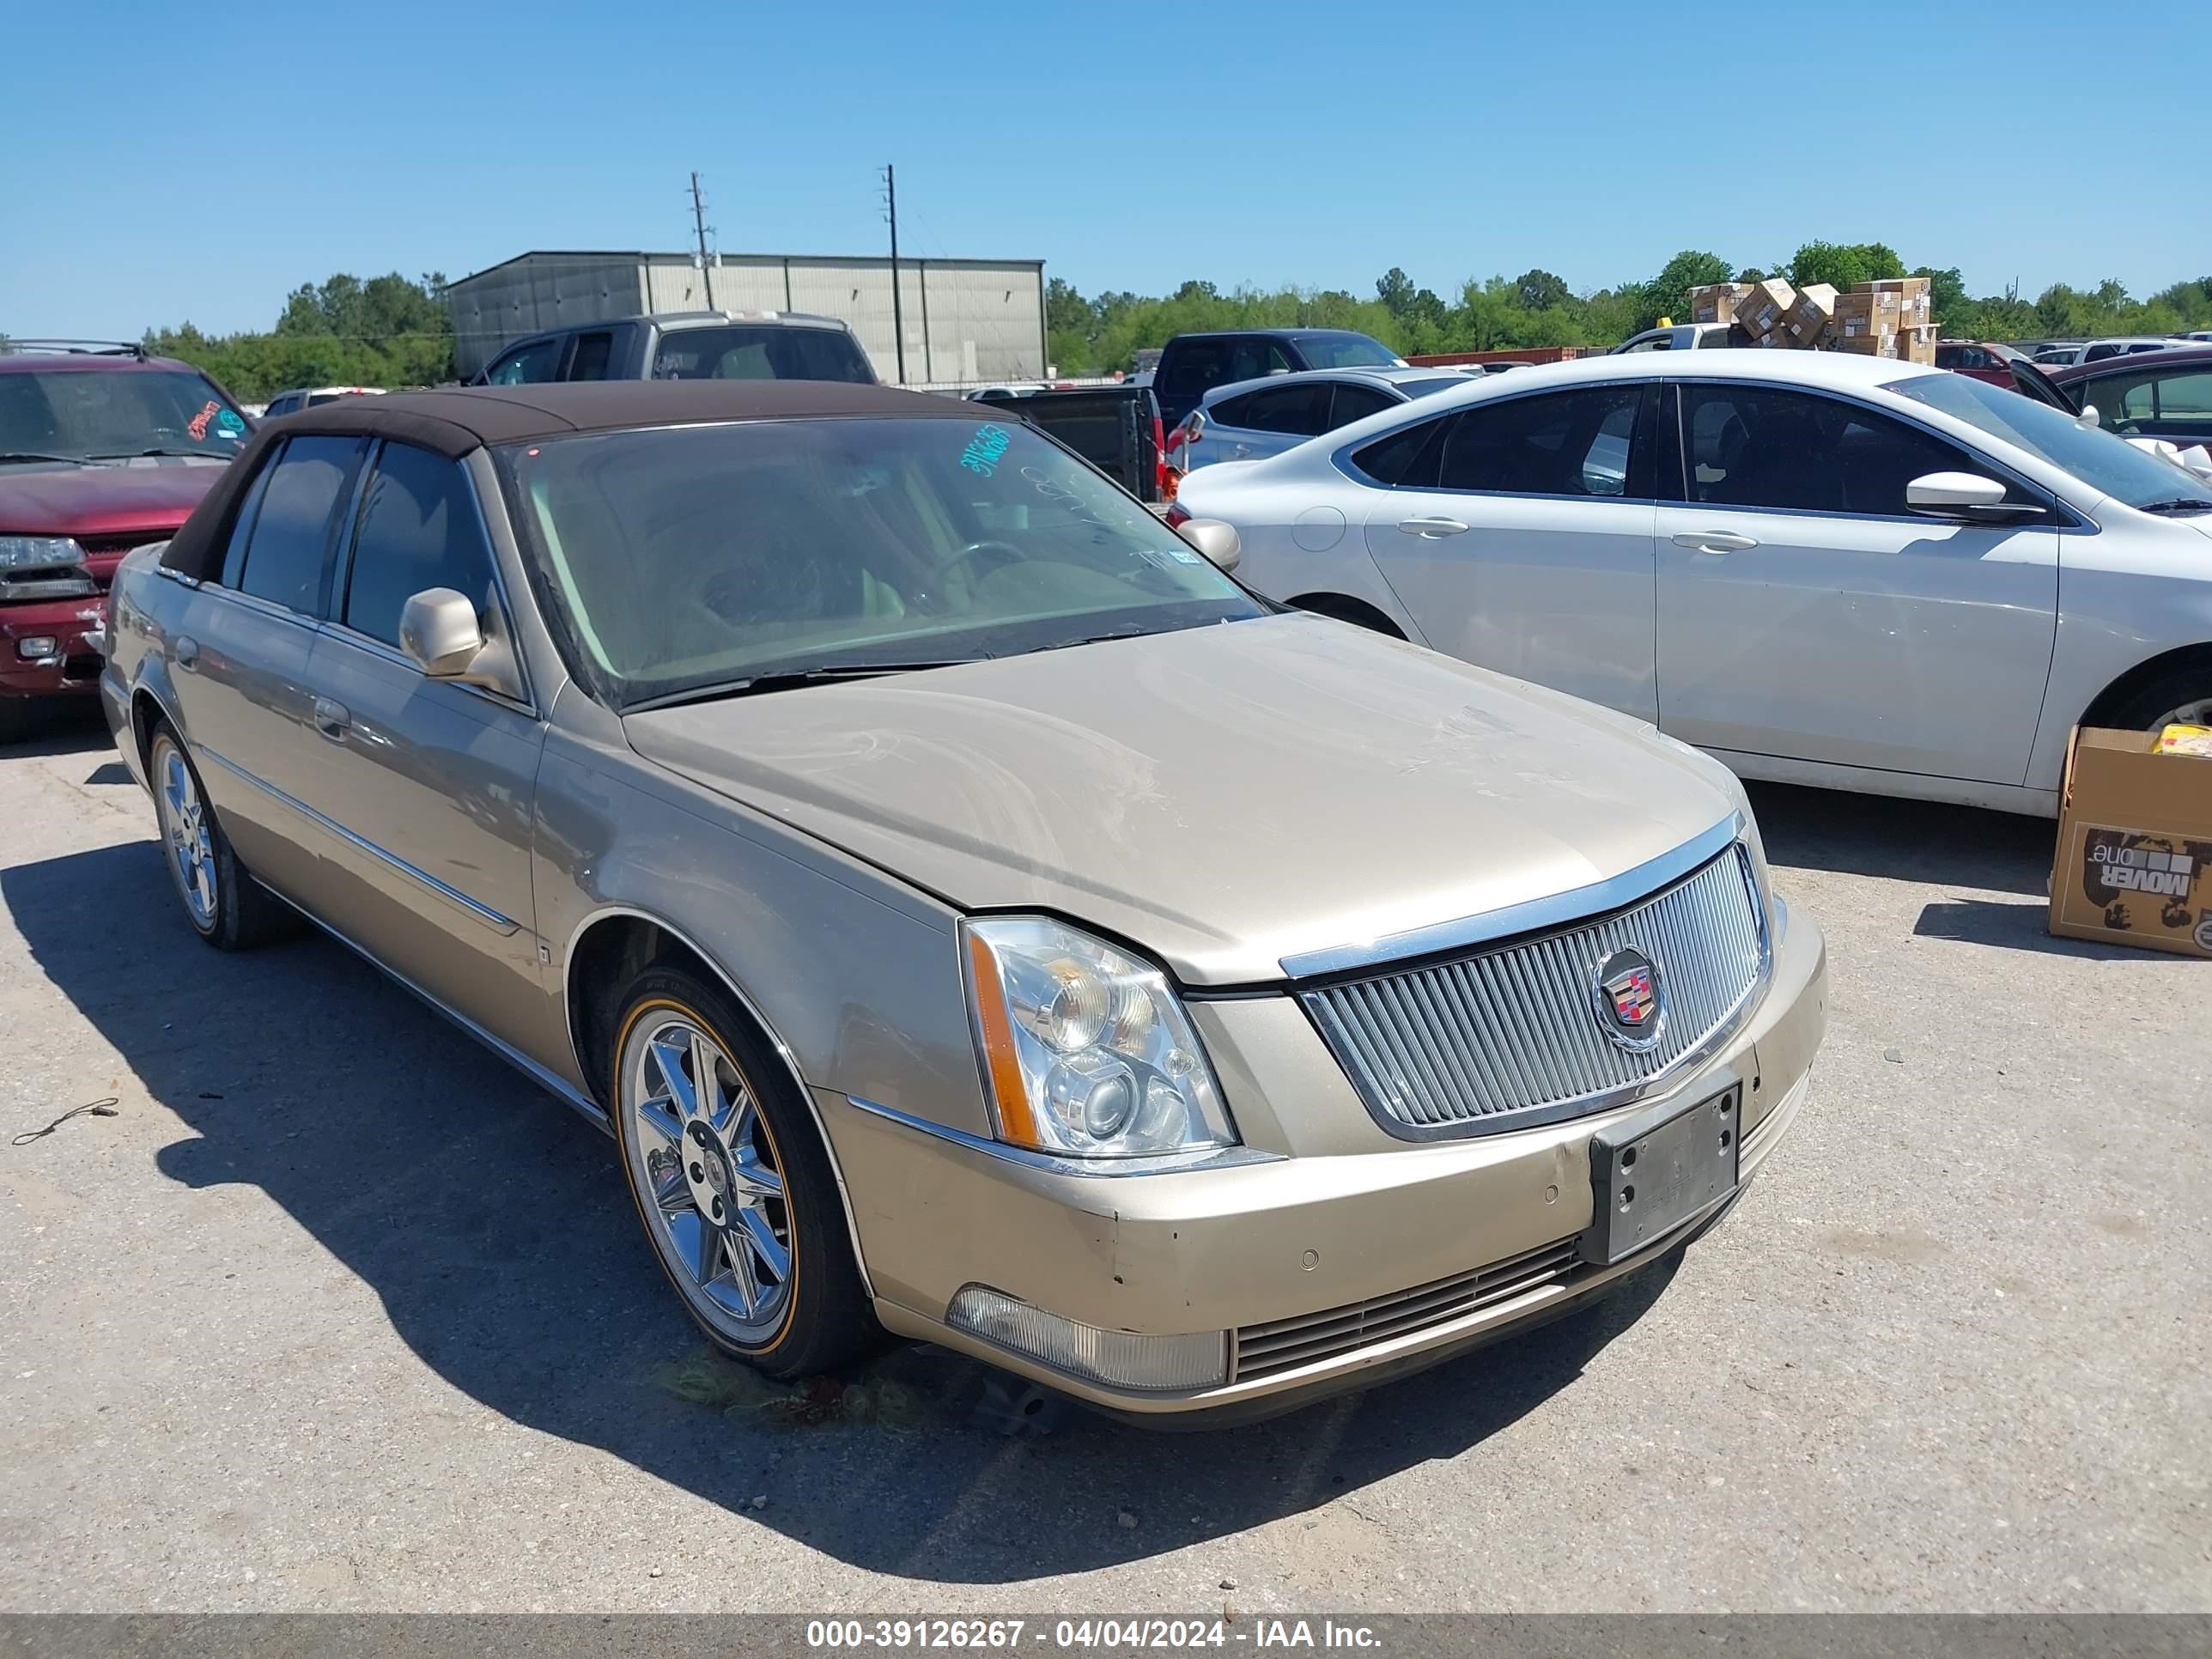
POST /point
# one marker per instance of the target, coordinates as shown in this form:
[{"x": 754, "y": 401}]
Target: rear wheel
[
  {"x": 1343, "y": 608},
  {"x": 225, "y": 905},
  {"x": 732, "y": 1182},
  {"x": 2181, "y": 696}
]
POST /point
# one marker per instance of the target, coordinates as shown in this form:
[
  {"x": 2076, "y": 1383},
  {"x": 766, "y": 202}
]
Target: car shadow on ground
[
  {"x": 493, "y": 1224},
  {"x": 1904, "y": 840},
  {"x": 72, "y": 726}
]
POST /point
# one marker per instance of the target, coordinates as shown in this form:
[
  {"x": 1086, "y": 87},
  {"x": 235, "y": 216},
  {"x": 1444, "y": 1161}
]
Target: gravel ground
[{"x": 337, "y": 1312}]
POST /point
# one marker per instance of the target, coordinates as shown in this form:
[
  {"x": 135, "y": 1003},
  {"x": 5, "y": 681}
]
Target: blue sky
[{"x": 173, "y": 161}]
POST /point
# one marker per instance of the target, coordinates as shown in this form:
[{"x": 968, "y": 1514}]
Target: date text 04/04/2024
[{"x": 832, "y": 1634}]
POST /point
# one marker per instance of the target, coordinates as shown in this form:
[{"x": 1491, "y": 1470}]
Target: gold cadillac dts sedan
[{"x": 974, "y": 915}]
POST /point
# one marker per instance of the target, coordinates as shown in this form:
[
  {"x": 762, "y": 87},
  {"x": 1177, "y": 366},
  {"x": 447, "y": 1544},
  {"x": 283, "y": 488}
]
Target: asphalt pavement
[{"x": 337, "y": 1312}]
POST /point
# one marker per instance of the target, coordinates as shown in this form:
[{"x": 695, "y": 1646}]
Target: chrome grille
[
  {"x": 1503, "y": 1037},
  {"x": 1284, "y": 1345}
]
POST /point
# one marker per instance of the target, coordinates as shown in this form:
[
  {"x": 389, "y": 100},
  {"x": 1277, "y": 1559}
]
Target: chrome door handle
[
  {"x": 188, "y": 650},
  {"x": 332, "y": 719},
  {"x": 1430, "y": 529},
  {"x": 1714, "y": 541}
]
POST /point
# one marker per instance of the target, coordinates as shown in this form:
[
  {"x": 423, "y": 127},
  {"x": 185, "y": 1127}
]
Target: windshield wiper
[
  {"x": 135, "y": 454},
  {"x": 33, "y": 455},
  {"x": 788, "y": 679},
  {"x": 2179, "y": 504},
  {"x": 1134, "y": 630}
]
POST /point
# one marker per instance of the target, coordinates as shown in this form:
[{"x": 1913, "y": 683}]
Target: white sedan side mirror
[
  {"x": 2089, "y": 416},
  {"x": 1965, "y": 495},
  {"x": 1215, "y": 538}
]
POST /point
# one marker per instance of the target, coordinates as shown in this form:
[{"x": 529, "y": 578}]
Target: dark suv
[
  {"x": 102, "y": 449},
  {"x": 1192, "y": 365},
  {"x": 692, "y": 345}
]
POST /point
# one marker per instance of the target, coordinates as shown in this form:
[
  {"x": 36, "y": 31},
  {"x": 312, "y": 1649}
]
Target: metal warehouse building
[{"x": 963, "y": 319}]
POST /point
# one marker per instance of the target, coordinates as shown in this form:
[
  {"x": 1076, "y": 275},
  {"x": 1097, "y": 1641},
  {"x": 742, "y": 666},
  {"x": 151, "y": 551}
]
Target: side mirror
[
  {"x": 1194, "y": 424},
  {"x": 2089, "y": 416},
  {"x": 1215, "y": 538},
  {"x": 1966, "y": 496},
  {"x": 437, "y": 628}
]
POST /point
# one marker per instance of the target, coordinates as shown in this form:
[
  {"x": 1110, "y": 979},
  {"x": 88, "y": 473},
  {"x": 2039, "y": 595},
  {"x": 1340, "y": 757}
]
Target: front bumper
[
  {"x": 71, "y": 666},
  {"x": 1284, "y": 1239}
]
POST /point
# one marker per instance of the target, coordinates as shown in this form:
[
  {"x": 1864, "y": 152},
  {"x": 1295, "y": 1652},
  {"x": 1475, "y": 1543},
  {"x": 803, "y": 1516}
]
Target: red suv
[{"x": 102, "y": 449}]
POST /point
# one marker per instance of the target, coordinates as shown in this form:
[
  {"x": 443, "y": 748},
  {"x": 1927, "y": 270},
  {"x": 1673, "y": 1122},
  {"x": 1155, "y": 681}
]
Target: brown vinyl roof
[{"x": 456, "y": 419}]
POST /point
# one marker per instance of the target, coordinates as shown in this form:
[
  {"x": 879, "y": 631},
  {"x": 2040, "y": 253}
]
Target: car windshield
[
  {"x": 691, "y": 559},
  {"x": 770, "y": 351},
  {"x": 2097, "y": 459},
  {"x": 1344, "y": 351},
  {"x": 85, "y": 414}
]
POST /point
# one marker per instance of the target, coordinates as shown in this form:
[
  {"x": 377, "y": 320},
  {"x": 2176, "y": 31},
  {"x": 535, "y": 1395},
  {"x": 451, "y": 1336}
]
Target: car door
[
  {"x": 1806, "y": 613},
  {"x": 238, "y": 657},
  {"x": 1518, "y": 534},
  {"x": 431, "y": 782},
  {"x": 2141, "y": 402}
]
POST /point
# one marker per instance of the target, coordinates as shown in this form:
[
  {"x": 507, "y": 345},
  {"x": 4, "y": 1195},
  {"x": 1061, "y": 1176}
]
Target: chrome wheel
[
  {"x": 2197, "y": 712},
  {"x": 185, "y": 827},
  {"x": 704, "y": 1165}
]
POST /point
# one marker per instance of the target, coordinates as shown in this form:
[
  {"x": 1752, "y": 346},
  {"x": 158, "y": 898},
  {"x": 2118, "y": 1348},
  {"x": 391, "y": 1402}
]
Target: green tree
[
  {"x": 386, "y": 332},
  {"x": 1395, "y": 290},
  {"x": 1540, "y": 290},
  {"x": 1668, "y": 294},
  {"x": 1946, "y": 293}
]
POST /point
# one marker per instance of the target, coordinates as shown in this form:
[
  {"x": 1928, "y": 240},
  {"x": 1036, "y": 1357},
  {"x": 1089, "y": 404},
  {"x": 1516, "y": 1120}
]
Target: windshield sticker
[
  {"x": 229, "y": 423},
  {"x": 1160, "y": 556},
  {"x": 984, "y": 449},
  {"x": 198, "y": 425}
]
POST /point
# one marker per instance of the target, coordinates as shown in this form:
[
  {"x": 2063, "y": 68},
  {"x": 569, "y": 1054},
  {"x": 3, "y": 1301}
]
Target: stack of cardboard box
[{"x": 1885, "y": 319}]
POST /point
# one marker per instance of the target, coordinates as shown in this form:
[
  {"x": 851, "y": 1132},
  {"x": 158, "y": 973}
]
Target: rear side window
[
  {"x": 1794, "y": 452},
  {"x": 1407, "y": 458},
  {"x": 291, "y": 530},
  {"x": 589, "y": 361},
  {"x": 1195, "y": 367},
  {"x": 1299, "y": 410},
  {"x": 1562, "y": 443},
  {"x": 1357, "y": 402},
  {"x": 418, "y": 529},
  {"x": 766, "y": 352}
]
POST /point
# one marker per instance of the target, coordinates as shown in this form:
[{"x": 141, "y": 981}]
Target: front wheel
[{"x": 732, "y": 1181}]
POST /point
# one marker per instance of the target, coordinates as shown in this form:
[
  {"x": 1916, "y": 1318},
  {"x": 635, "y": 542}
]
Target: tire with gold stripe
[{"x": 732, "y": 1181}]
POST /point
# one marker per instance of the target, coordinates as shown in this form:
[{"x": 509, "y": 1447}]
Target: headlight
[
  {"x": 1085, "y": 1051},
  {"x": 40, "y": 553},
  {"x": 43, "y": 567}
]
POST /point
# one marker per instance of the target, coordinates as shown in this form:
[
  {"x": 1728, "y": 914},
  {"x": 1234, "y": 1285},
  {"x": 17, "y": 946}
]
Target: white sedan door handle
[
  {"x": 1714, "y": 541},
  {"x": 1431, "y": 529}
]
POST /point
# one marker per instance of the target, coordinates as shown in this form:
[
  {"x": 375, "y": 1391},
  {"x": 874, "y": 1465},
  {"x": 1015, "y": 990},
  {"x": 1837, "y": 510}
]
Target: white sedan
[{"x": 1822, "y": 568}]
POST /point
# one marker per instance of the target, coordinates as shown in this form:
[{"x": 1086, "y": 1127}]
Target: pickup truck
[
  {"x": 690, "y": 345},
  {"x": 1116, "y": 429}
]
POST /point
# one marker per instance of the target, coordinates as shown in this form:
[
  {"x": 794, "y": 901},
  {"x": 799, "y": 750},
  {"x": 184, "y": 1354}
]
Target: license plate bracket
[{"x": 1658, "y": 1167}]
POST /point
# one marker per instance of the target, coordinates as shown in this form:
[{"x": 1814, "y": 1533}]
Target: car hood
[
  {"x": 150, "y": 497},
  {"x": 1222, "y": 797}
]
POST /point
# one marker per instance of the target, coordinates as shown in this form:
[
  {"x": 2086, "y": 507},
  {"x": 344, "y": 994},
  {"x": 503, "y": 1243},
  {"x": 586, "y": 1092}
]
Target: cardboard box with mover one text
[
  {"x": 1914, "y": 308},
  {"x": 2135, "y": 844},
  {"x": 1916, "y": 345}
]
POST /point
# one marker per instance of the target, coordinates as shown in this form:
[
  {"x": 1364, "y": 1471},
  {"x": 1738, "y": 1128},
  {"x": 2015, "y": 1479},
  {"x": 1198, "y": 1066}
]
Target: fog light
[
  {"x": 1120, "y": 1359},
  {"x": 38, "y": 645}
]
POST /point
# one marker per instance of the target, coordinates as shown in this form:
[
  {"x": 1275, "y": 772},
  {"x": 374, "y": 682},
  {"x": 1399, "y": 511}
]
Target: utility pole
[
  {"x": 891, "y": 212},
  {"x": 699, "y": 224}
]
